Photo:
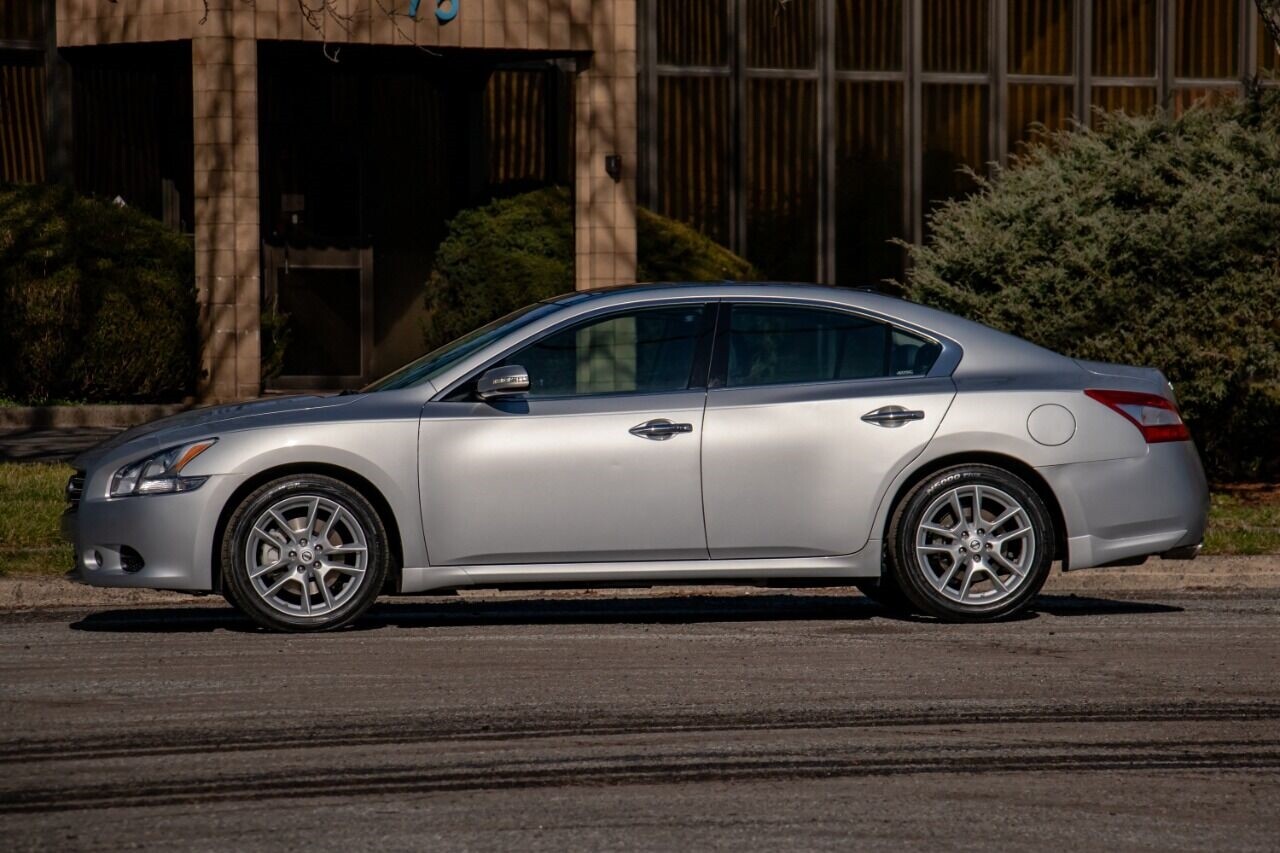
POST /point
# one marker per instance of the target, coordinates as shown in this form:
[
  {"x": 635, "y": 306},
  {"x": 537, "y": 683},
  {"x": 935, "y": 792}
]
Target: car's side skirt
[{"x": 863, "y": 564}]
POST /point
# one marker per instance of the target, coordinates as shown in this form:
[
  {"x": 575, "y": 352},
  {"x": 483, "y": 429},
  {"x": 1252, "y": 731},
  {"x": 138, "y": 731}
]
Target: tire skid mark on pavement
[
  {"x": 342, "y": 732},
  {"x": 641, "y": 769}
]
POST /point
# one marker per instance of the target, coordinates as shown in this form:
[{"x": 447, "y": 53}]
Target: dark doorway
[
  {"x": 370, "y": 156},
  {"x": 132, "y": 127}
]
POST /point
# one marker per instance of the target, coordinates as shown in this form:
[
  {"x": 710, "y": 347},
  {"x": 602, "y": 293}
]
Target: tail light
[{"x": 1154, "y": 416}]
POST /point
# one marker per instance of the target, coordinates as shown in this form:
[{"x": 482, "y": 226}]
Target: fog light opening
[
  {"x": 130, "y": 559},
  {"x": 94, "y": 560}
]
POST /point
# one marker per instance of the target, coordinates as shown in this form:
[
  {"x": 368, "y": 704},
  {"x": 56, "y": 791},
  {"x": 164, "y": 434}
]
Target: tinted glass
[
  {"x": 781, "y": 35},
  {"x": 638, "y": 352},
  {"x": 769, "y": 345},
  {"x": 869, "y": 166},
  {"x": 1124, "y": 38},
  {"x": 694, "y": 153},
  {"x": 691, "y": 32}
]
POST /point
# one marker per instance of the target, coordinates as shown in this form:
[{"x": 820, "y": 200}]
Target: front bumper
[
  {"x": 1122, "y": 509},
  {"x": 172, "y": 534}
]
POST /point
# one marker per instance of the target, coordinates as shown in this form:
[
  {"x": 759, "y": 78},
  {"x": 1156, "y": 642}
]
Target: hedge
[
  {"x": 1151, "y": 240},
  {"x": 517, "y": 250},
  {"x": 97, "y": 301}
]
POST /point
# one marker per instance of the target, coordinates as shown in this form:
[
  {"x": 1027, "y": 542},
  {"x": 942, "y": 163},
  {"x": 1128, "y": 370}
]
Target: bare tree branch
[
  {"x": 318, "y": 13},
  {"x": 1269, "y": 14}
]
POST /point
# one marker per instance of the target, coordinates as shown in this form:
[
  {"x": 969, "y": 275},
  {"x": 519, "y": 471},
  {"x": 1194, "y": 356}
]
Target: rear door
[{"x": 811, "y": 413}]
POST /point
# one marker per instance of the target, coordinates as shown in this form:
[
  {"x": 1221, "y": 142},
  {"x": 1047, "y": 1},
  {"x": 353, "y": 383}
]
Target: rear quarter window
[{"x": 771, "y": 345}]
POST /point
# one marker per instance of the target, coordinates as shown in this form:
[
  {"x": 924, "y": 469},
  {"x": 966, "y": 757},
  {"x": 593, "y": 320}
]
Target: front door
[
  {"x": 816, "y": 411},
  {"x": 598, "y": 462}
]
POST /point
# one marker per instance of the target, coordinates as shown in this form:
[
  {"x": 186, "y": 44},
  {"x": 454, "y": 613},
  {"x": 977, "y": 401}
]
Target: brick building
[{"x": 314, "y": 161}]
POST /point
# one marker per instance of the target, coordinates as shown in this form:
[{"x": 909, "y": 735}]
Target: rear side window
[{"x": 772, "y": 345}]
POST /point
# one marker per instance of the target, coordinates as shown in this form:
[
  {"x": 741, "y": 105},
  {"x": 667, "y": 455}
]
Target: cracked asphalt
[{"x": 788, "y": 720}]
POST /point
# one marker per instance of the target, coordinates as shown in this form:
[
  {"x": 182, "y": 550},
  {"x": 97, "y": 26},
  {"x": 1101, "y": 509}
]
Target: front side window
[
  {"x": 637, "y": 352},
  {"x": 772, "y": 345}
]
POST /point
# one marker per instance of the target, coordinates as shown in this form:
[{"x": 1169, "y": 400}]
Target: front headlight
[{"x": 160, "y": 474}]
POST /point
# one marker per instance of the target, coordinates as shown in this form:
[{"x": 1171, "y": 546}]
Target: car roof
[{"x": 987, "y": 349}]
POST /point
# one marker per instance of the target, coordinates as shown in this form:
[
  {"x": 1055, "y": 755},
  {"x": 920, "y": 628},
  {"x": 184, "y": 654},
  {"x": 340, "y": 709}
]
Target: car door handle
[
  {"x": 892, "y": 416},
  {"x": 659, "y": 429}
]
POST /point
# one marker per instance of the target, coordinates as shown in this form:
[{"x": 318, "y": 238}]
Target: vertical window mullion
[
  {"x": 826, "y": 248},
  {"x": 738, "y": 100},
  {"x": 649, "y": 98},
  {"x": 1084, "y": 59},
  {"x": 998, "y": 62},
  {"x": 1166, "y": 52},
  {"x": 915, "y": 201},
  {"x": 1248, "y": 43}
]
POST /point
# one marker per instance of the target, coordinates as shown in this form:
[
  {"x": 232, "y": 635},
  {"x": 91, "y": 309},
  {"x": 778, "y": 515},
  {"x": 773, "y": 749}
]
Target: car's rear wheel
[
  {"x": 971, "y": 543},
  {"x": 304, "y": 553}
]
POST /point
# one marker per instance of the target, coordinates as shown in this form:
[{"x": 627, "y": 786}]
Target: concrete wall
[{"x": 224, "y": 82}]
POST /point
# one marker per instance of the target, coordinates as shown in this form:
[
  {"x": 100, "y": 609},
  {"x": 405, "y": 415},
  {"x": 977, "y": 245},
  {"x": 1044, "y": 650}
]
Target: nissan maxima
[{"x": 708, "y": 433}]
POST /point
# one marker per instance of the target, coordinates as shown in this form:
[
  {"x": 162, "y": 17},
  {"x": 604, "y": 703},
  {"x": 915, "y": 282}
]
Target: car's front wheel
[
  {"x": 971, "y": 543},
  {"x": 304, "y": 553}
]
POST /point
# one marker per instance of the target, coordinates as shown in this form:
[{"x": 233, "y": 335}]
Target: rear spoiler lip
[{"x": 1153, "y": 380}]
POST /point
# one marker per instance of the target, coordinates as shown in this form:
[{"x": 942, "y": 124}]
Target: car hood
[{"x": 178, "y": 427}]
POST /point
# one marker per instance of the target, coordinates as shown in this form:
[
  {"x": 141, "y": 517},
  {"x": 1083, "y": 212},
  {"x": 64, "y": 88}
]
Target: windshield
[{"x": 434, "y": 363}]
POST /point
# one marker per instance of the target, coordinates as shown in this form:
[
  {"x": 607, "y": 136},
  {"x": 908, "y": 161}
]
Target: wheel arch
[
  {"x": 998, "y": 460},
  {"x": 368, "y": 490}
]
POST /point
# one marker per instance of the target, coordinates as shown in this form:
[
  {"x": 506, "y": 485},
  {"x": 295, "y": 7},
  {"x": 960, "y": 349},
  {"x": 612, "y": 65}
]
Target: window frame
[
  {"x": 948, "y": 355},
  {"x": 997, "y": 77},
  {"x": 464, "y": 389}
]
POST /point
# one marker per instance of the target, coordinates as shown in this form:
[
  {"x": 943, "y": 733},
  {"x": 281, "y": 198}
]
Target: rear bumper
[{"x": 1119, "y": 509}]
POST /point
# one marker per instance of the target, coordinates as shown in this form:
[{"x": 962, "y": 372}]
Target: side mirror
[{"x": 502, "y": 382}]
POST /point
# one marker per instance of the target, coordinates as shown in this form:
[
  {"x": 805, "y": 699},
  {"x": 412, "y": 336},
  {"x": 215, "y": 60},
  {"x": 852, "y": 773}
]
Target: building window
[{"x": 809, "y": 134}]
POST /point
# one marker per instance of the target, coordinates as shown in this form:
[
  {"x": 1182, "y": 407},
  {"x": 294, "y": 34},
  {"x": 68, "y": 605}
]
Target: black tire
[
  {"x": 239, "y": 588},
  {"x": 905, "y": 563}
]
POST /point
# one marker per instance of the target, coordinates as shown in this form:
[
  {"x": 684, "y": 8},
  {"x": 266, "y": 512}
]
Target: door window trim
[
  {"x": 462, "y": 390},
  {"x": 944, "y": 365}
]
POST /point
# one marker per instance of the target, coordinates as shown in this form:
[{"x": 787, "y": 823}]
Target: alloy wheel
[
  {"x": 306, "y": 555},
  {"x": 975, "y": 544}
]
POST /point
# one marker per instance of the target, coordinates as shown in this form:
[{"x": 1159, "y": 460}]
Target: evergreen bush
[
  {"x": 517, "y": 250},
  {"x": 1151, "y": 240},
  {"x": 97, "y": 302}
]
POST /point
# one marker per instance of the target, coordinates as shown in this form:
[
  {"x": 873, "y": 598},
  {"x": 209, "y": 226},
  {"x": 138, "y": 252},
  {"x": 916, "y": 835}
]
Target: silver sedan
[{"x": 658, "y": 434}]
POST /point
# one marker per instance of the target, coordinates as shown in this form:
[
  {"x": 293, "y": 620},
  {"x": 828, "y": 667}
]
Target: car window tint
[
  {"x": 642, "y": 351},
  {"x": 770, "y": 345}
]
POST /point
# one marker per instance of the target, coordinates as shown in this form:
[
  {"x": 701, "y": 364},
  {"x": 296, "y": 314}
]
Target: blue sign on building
[{"x": 446, "y": 10}]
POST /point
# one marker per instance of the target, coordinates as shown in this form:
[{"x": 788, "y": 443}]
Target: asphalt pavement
[
  {"x": 39, "y": 444},
  {"x": 779, "y": 720}
]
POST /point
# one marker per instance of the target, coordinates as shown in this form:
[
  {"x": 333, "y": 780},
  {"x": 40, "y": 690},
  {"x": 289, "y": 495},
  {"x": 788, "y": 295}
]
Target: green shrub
[
  {"x": 96, "y": 301},
  {"x": 672, "y": 251},
  {"x": 1150, "y": 241},
  {"x": 518, "y": 250}
]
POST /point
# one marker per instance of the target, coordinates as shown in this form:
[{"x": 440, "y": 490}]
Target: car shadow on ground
[{"x": 675, "y": 609}]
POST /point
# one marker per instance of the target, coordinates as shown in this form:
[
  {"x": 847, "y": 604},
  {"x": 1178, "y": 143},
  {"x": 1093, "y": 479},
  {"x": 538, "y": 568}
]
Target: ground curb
[{"x": 65, "y": 417}]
